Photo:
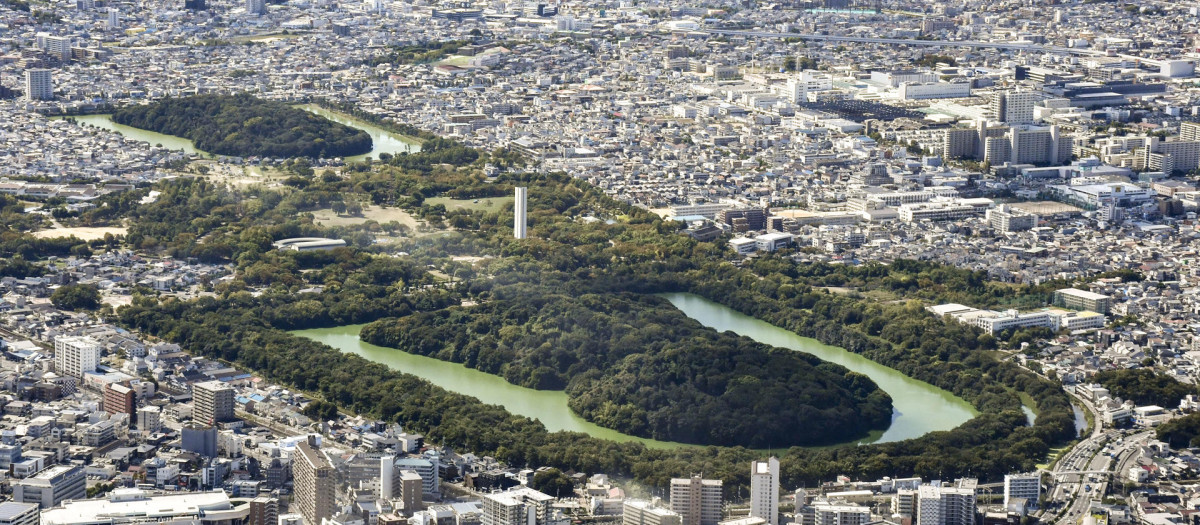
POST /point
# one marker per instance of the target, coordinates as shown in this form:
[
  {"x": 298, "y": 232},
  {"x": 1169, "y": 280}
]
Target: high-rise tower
[
  {"x": 764, "y": 490},
  {"x": 697, "y": 500},
  {"x": 315, "y": 484},
  {"x": 519, "y": 206}
]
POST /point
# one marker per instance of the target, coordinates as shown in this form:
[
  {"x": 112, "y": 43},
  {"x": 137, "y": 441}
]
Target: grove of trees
[
  {"x": 76, "y": 297},
  {"x": 1144, "y": 387},
  {"x": 1181, "y": 432}
]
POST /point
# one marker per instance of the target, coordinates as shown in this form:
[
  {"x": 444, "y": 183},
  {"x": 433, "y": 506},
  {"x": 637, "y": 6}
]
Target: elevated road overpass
[{"x": 1011, "y": 46}]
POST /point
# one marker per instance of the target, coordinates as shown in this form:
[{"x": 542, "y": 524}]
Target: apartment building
[
  {"x": 73, "y": 356},
  {"x": 213, "y": 402},
  {"x": 698, "y": 501},
  {"x": 314, "y": 482}
]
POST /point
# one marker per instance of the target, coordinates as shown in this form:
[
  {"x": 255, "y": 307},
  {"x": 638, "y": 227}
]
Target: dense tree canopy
[
  {"x": 553, "y": 482},
  {"x": 1144, "y": 387},
  {"x": 638, "y": 365},
  {"x": 76, "y": 297},
  {"x": 321, "y": 410},
  {"x": 1181, "y": 432},
  {"x": 20, "y": 268},
  {"x": 245, "y": 126}
]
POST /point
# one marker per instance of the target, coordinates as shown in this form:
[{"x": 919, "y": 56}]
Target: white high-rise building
[
  {"x": 764, "y": 490},
  {"x": 114, "y": 18},
  {"x": 387, "y": 470},
  {"x": 38, "y": 84},
  {"x": 945, "y": 505},
  {"x": 75, "y": 355},
  {"x": 520, "y": 203},
  {"x": 256, "y": 7},
  {"x": 1028, "y": 486}
]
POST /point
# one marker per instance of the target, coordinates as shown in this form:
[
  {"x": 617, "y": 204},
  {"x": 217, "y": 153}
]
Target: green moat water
[{"x": 919, "y": 407}]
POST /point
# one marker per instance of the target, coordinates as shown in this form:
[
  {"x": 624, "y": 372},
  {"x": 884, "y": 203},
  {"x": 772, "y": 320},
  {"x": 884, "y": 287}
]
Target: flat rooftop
[
  {"x": 1083, "y": 293},
  {"x": 133, "y": 503},
  {"x": 12, "y": 509}
]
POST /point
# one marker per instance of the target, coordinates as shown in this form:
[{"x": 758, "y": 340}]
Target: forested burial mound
[
  {"x": 245, "y": 126},
  {"x": 636, "y": 364}
]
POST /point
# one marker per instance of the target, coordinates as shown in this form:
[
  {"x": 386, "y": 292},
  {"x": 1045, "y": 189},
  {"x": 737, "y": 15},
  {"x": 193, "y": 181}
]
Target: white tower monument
[{"x": 519, "y": 206}]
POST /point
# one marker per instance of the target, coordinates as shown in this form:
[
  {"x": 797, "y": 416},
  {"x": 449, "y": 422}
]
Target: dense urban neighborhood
[{"x": 637, "y": 262}]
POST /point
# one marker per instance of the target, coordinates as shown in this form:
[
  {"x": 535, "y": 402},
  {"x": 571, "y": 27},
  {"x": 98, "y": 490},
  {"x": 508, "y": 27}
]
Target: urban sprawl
[{"x": 1034, "y": 141}]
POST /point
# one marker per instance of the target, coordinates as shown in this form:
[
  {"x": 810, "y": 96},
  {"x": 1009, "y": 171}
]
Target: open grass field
[
  {"x": 83, "y": 233},
  {"x": 454, "y": 60},
  {"x": 485, "y": 204},
  {"x": 370, "y": 213}
]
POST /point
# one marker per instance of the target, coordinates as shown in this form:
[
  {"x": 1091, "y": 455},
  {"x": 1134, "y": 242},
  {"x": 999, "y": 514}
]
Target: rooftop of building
[
  {"x": 1083, "y": 293},
  {"x": 12, "y": 509},
  {"x": 128, "y": 503}
]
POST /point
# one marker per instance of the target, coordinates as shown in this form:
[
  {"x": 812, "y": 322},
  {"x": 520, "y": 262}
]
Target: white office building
[
  {"x": 764, "y": 490},
  {"x": 51, "y": 487},
  {"x": 13, "y": 513},
  {"x": 799, "y": 86},
  {"x": 770, "y": 242},
  {"x": 1007, "y": 219}
]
